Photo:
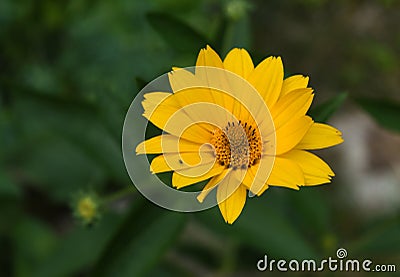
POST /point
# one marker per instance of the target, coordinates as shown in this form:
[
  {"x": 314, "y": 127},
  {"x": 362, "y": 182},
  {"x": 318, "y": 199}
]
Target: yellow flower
[{"x": 251, "y": 150}]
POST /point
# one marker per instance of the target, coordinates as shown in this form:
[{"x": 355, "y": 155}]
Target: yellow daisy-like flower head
[{"x": 241, "y": 127}]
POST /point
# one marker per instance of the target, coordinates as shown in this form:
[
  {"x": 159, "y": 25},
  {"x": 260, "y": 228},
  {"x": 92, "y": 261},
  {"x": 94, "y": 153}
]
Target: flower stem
[{"x": 118, "y": 195}]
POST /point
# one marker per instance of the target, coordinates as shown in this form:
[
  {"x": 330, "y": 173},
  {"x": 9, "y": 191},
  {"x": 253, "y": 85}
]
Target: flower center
[{"x": 238, "y": 145}]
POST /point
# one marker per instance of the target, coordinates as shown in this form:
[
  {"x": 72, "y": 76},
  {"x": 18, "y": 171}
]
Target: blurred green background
[{"x": 68, "y": 72}]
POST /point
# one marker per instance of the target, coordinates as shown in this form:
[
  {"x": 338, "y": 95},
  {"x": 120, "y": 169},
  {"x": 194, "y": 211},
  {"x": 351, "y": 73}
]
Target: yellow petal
[
  {"x": 214, "y": 181},
  {"x": 152, "y": 100},
  {"x": 156, "y": 97},
  {"x": 239, "y": 61},
  {"x": 199, "y": 132},
  {"x": 158, "y": 164},
  {"x": 202, "y": 105},
  {"x": 208, "y": 57},
  {"x": 167, "y": 144},
  {"x": 169, "y": 116},
  {"x": 256, "y": 176},
  {"x": 289, "y": 135},
  {"x": 293, "y": 83},
  {"x": 263, "y": 189},
  {"x": 316, "y": 171},
  {"x": 180, "y": 180},
  {"x": 320, "y": 136},
  {"x": 181, "y": 79},
  {"x": 209, "y": 71},
  {"x": 188, "y": 106},
  {"x": 254, "y": 184},
  {"x": 183, "y": 161},
  {"x": 267, "y": 79},
  {"x": 158, "y": 109},
  {"x": 156, "y": 100},
  {"x": 231, "y": 199},
  {"x": 292, "y": 105},
  {"x": 286, "y": 173},
  {"x": 314, "y": 180},
  {"x": 242, "y": 100}
]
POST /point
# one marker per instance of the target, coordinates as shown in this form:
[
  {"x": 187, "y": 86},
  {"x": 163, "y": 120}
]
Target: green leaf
[
  {"x": 138, "y": 245},
  {"x": 7, "y": 187},
  {"x": 79, "y": 249},
  {"x": 61, "y": 169},
  {"x": 383, "y": 240},
  {"x": 311, "y": 209},
  {"x": 66, "y": 146},
  {"x": 324, "y": 111},
  {"x": 386, "y": 112},
  {"x": 40, "y": 78},
  {"x": 33, "y": 243},
  {"x": 273, "y": 232},
  {"x": 264, "y": 226},
  {"x": 176, "y": 33}
]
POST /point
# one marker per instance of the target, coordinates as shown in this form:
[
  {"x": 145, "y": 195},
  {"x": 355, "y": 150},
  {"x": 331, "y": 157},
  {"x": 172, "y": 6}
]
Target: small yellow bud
[{"x": 86, "y": 208}]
